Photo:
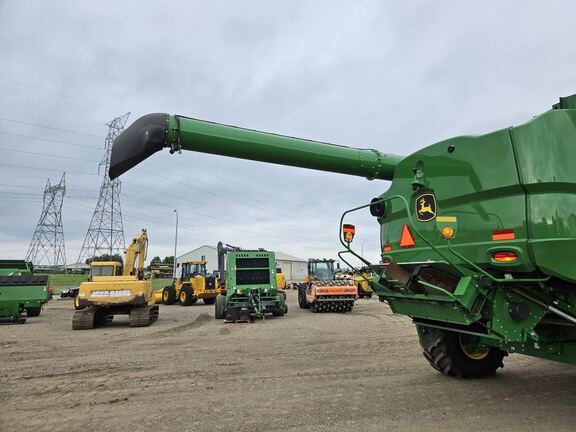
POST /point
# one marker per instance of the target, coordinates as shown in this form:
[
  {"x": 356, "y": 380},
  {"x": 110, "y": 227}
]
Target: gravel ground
[{"x": 361, "y": 371}]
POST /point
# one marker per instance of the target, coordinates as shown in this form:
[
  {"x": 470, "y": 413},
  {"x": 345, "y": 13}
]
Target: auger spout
[{"x": 153, "y": 132}]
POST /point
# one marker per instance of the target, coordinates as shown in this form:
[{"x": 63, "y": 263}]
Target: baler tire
[
  {"x": 33, "y": 311},
  {"x": 209, "y": 300},
  {"x": 169, "y": 295},
  {"x": 220, "y": 307},
  {"x": 444, "y": 352}
]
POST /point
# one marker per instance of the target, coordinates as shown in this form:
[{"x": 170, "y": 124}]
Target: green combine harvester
[
  {"x": 21, "y": 290},
  {"x": 250, "y": 285},
  {"x": 477, "y": 233}
]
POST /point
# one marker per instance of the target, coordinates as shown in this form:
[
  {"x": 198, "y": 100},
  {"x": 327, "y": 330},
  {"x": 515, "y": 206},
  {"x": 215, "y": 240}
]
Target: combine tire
[
  {"x": 33, "y": 311},
  {"x": 209, "y": 300},
  {"x": 220, "y": 307},
  {"x": 186, "y": 296},
  {"x": 456, "y": 354},
  {"x": 169, "y": 295},
  {"x": 84, "y": 319},
  {"x": 143, "y": 316},
  {"x": 302, "y": 298}
]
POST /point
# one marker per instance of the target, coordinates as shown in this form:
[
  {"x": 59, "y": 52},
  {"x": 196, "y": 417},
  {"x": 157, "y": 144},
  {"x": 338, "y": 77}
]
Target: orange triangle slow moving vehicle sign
[{"x": 406, "y": 239}]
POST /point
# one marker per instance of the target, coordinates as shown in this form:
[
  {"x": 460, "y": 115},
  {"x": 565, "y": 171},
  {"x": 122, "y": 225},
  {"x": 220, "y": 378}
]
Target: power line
[
  {"x": 50, "y": 127},
  {"x": 56, "y": 93},
  {"x": 49, "y": 140},
  {"x": 47, "y": 155}
]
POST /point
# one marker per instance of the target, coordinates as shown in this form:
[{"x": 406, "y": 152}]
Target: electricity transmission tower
[
  {"x": 47, "y": 245},
  {"x": 106, "y": 232}
]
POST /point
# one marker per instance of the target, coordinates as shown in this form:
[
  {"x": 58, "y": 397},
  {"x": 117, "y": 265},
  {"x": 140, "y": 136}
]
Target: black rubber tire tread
[
  {"x": 209, "y": 300},
  {"x": 171, "y": 295},
  {"x": 220, "y": 307},
  {"x": 186, "y": 289},
  {"x": 302, "y": 297},
  {"x": 33, "y": 311},
  {"x": 143, "y": 316},
  {"x": 84, "y": 319},
  {"x": 444, "y": 353},
  {"x": 282, "y": 310}
]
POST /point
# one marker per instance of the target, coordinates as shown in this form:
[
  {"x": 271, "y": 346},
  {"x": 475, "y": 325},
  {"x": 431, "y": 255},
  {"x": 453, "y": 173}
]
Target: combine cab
[
  {"x": 21, "y": 290},
  {"x": 322, "y": 292}
]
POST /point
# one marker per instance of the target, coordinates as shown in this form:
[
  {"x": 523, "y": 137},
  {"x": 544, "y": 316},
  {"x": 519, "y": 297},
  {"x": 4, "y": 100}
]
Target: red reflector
[
  {"x": 387, "y": 248},
  {"x": 406, "y": 240},
  {"x": 505, "y": 234},
  {"x": 386, "y": 261},
  {"x": 505, "y": 256}
]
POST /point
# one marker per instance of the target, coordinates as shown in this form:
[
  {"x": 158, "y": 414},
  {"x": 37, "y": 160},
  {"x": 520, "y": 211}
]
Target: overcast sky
[{"x": 395, "y": 76}]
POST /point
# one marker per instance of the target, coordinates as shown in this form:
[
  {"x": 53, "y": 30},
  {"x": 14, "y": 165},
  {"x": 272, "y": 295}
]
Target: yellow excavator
[
  {"x": 113, "y": 289},
  {"x": 194, "y": 283}
]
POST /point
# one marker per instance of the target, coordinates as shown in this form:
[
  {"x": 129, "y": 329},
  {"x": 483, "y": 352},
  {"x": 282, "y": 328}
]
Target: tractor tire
[
  {"x": 302, "y": 298},
  {"x": 186, "y": 296},
  {"x": 169, "y": 295},
  {"x": 209, "y": 300},
  {"x": 33, "y": 311},
  {"x": 220, "y": 307},
  {"x": 449, "y": 354}
]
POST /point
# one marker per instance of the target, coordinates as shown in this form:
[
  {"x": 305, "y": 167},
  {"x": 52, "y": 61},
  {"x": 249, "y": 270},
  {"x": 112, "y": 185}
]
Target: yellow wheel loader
[
  {"x": 194, "y": 283},
  {"x": 113, "y": 289}
]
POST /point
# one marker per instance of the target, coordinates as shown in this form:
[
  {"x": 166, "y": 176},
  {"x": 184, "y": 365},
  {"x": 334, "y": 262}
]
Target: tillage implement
[{"x": 477, "y": 233}]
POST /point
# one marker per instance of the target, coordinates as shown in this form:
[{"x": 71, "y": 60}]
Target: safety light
[
  {"x": 505, "y": 256},
  {"x": 448, "y": 232},
  {"x": 503, "y": 234},
  {"x": 387, "y": 248},
  {"x": 349, "y": 231},
  {"x": 406, "y": 239}
]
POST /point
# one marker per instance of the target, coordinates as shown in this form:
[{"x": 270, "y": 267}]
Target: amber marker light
[
  {"x": 505, "y": 257},
  {"x": 448, "y": 232}
]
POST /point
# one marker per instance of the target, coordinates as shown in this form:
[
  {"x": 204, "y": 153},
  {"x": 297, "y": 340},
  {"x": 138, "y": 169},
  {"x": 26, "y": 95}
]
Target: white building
[{"x": 294, "y": 268}]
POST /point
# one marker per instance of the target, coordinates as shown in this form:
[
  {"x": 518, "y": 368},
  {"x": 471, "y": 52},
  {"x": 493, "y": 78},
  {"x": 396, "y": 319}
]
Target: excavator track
[
  {"x": 143, "y": 316},
  {"x": 84, "y": 319}
]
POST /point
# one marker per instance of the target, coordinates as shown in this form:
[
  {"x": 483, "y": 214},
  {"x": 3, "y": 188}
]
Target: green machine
[
  {"x": 477, "y": 233},
  {"x": 250, "y": 285},
  {"x": 21, "y": 290}
]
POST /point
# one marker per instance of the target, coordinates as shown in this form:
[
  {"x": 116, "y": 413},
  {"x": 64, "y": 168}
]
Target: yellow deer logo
[{"x": 426, "y": 208}]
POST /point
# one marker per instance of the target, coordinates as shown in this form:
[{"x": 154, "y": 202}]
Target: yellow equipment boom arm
[{"x": 136, "y": 251}]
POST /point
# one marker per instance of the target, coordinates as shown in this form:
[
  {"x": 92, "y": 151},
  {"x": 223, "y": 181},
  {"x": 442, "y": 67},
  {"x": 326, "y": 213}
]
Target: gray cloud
[{"x": 390, "y": 75}]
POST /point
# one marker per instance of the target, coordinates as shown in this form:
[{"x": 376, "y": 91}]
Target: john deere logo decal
[{"x": 425, "y": 207}]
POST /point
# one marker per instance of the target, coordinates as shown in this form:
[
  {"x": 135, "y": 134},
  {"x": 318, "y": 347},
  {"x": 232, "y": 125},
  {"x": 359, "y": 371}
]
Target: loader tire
[
  {"x": 33, "y": 311},
  {"x": 169, "y": 295},
  {"x": 77, "y": 304},
  {"x": 209, "y": 300},
  {"x": 220, "y": 307},
  {"x": 302, "y": 298},
  {"x": 186, "y": 296},
  {"x": 450, "y": 354}
]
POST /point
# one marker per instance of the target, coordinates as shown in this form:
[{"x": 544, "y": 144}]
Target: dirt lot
[{"x": 315, "y": 372}]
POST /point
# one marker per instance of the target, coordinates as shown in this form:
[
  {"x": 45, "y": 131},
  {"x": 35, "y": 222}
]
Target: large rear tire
[
  {"x": 458, "y": 354},
  {"x": 220, "y": 307},
  {"x": 169, "y": 295}
]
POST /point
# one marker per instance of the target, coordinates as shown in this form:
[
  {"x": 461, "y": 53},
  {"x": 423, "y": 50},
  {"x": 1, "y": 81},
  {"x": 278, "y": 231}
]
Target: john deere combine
[
  {"x": 477, "y": 233},
  {"x": 249, "y": 282},
  {"x": 21, "y": 290}
]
